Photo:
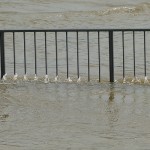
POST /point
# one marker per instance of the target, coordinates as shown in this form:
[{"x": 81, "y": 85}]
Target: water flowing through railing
[{"x": 104, "y": 54}]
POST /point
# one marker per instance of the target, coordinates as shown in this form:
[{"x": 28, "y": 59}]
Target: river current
[{"x": 74, "y": 116}]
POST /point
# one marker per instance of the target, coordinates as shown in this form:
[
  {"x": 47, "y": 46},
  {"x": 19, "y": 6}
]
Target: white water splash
[
  {"x": 15, "y": 77},
  {"x": 46, "y": 80},
  {"x": 115, "y": 81},
  {"x": 35, "y": 77},
  {"x": 124, "y": 80},
  {"x": 146, "y": 80},
  {"x": 56, "y": 79},
  {"x": 25, "y": 77},
  {"x": 69, "y": 79},
  {"x": 79, "y": 79},
  {"x": 136, "y": 80},
  {"x": 4, "y": 77}
]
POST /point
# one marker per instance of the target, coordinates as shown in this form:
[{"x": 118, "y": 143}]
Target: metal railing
[{"x": 65, "y": 39}]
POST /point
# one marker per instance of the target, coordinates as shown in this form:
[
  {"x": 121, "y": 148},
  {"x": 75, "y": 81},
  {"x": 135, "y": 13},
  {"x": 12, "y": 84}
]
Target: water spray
[
  {"x": 69, "y": 79},
  {"x": 25, "y": 77},
  {"x": 124, "y": 80},
  {"x": 35, "y": 77},
  {"x": 79, "y": 79},
  {"x": 146, "y": 80},
  {"x": 4, "y": 77},
  {"x": 46, "y": 80},
  {"x": 136, "y": 80},
  {"x": 56, "y": 79},
  {"x": 15, "y": 77}
]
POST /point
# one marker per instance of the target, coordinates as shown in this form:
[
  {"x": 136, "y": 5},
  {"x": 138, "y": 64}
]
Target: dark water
[{"x": 74, "y": 116}]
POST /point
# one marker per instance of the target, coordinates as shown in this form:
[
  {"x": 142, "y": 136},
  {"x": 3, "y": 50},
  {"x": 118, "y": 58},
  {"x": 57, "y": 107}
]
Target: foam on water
[
  {"x": 35, "y": 77},
  {"x": 46, "y": 80},
  {"x": 61, "y": 79},
  {"x": 25, "y": 78}
]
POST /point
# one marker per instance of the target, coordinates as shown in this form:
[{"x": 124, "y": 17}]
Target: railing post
[
  {"x": 2, "y": 54},
  {"x": 111, "y": 56}
]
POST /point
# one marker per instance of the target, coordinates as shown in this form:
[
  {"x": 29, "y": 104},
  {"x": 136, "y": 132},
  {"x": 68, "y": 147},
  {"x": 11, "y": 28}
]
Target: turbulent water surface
[
  {"x": 74, "y": 14},
  {"x": 74, "y": 116}
]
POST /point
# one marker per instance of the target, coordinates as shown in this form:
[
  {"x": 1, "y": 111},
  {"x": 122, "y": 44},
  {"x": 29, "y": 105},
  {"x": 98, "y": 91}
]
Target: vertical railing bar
[
  {"x": 111, "y": 56},
  {"x": 46, "y": 54},
  {"x": 123, "y": 54},
  {"x": 145, "y": 55},
  {"x": 14, "y": 53},
  {"x": 56, "y": 54},
  {"x": 25, "y": 66},
  {"x": 99, "y": 56},
  {"x": 35, "y": 53},
  {"x": 77, "y": 54},
  {"x": 67, "y": 55},
  {"x": 2, "y": 54},
  {"x": 88, "y": 47},
  {"x": 134, "y": 52}
]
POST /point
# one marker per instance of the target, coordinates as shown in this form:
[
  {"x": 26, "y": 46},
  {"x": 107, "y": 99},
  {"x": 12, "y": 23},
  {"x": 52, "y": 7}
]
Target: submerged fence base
[
  {"x": 66, "y": 40},
  {"x": 47, "y": 79}
]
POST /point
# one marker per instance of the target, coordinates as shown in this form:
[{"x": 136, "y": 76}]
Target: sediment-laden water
[{"x": 69, "y": 115}]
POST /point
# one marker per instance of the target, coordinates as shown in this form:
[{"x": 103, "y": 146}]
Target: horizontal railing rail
[
  {"x": 79, "y": 43},
  {"x": 74, "y": 30}
]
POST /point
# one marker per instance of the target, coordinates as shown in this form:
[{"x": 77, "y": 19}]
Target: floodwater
[{"x": 74, "y": 116}]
